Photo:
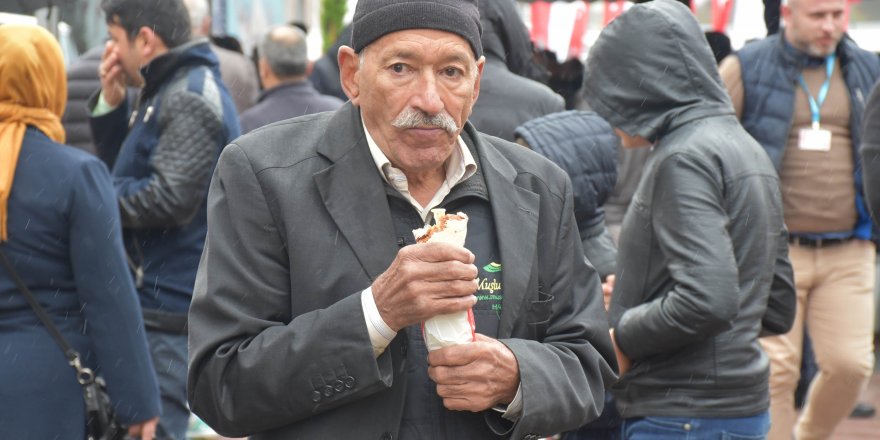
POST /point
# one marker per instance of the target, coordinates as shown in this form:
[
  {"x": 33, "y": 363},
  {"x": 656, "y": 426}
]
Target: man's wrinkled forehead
[{"x": 396, "y": 45}]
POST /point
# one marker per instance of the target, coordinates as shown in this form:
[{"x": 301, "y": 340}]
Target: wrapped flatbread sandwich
[{"x": 454, "y": 328}]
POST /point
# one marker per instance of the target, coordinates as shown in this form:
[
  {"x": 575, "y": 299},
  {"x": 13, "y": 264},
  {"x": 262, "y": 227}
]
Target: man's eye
[
  {"x": 451, "y": 71},
  {"x": 398, "y": 68}
]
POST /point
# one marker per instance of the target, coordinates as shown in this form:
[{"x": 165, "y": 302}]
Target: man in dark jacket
[
  {"x": 162, "y": 153},
  {"x": 508, "y": 97},
  {"x": 703, "y": 264},
  {"x": 305, "y": 318},
  {"x": 288, "y": 93},
  {"x": 801, "y": 94}
]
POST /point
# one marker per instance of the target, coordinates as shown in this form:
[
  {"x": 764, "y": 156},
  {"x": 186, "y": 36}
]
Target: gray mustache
[{"x": 412, "y": 118}]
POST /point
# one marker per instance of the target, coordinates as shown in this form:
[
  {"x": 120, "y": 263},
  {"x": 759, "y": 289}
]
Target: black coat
[
  {"x": 507, "y": 100},
  {"x": 703, "y": 264},
  {"x": 82, "y": 82},
  {"x": 509, "y": 94},
  {"x": 300, "y": 225},
  {"x": 286, "y": 101}
]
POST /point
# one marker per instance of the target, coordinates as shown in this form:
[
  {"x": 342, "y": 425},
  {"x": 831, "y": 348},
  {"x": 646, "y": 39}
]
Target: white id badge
[{"x": 814, "y": 139}]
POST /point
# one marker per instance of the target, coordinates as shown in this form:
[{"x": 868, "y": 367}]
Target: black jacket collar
[{"x": 193, "y": 53}]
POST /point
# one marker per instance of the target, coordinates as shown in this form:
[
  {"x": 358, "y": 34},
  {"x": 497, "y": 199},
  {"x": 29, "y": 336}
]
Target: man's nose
[
  {"x": 828, "y": 23},
  {"x": 427, "y": 96}
]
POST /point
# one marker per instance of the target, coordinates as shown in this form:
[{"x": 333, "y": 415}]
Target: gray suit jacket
[{"x": 300, "y": 225}]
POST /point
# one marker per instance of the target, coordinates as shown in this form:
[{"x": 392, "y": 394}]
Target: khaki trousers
[{"x": 835, "y": 298}]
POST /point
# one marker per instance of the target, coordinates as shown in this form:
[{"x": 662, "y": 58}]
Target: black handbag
[{"x": 101, "y": 423}]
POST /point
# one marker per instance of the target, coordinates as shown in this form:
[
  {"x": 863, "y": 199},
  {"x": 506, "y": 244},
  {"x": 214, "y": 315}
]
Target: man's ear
[
  {"x": 481, "y": 63},
  {"x": 263, "y": 70},
  {"x": 146, "y": 41},
  {"x": 349, "y": 64}
]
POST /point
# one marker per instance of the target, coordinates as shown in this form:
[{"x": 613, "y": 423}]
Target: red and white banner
[
  {"x": 721, "y": 14},
  {"x": 540, "y": 12},
  {"x": 559, "y": 27},
  {"x": 576, "y": 43},
  {"x": 612, "y": 10}
]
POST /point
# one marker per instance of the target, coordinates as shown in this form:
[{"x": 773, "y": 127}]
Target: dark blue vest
[{"x": 770, "y": 71}]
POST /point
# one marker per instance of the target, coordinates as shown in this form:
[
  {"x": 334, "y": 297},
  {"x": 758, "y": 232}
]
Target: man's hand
[
  {"x": 607, "y": 289},
  {"x": 145, "y": 430},
  {"x": 423, "y": 281},
  {"x": 475, "y": 376},
  {"x": 623, "y": 361},
  {"x": 112, "y": 76}
]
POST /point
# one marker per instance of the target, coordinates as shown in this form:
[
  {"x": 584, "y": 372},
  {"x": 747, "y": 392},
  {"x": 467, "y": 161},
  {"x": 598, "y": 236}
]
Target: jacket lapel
[
  {"x": 353, "y": 193},
  {"x": 515, "y": 210}
]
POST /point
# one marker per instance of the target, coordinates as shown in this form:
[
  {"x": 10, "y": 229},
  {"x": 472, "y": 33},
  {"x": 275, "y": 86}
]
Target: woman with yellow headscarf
[{"x": 59, "y": 227}]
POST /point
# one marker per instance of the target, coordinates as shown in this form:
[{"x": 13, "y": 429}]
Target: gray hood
[{"x": 651, "y": 70}]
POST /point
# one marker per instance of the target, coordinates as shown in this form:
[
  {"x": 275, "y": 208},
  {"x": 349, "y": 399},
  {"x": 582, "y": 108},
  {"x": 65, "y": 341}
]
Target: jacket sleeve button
[
  {"x": 316, "y": 396},
  {"x": 387, "y": 436},
  {"x": 349, "y": 382},
  {"x": 328, "y": 390},
  {"x": 338, "y": 386}
]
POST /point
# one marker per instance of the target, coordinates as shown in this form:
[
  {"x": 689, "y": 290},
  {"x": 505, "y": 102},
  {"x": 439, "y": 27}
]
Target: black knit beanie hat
[{"x": 374, "y": 19}]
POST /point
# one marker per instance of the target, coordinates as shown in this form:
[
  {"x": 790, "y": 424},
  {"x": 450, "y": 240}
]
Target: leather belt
[{"x": 817, "y": 242}]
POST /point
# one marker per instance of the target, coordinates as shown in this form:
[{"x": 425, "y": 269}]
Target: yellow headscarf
[{"x": 33, "y": 91}]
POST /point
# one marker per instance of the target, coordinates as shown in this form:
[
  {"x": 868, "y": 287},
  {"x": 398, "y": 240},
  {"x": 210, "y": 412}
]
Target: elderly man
[
  {"x": 703, "y": 265},
  {"x": 311, "y": 289},
  {"x": 801, "y": 94},
  {"x": 288, "y": 92}
]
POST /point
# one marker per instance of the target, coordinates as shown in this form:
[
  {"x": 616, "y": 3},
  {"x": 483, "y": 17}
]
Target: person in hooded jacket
[
  {"x": 509, "y": 93},
  {"x": 703, "y": 266}
]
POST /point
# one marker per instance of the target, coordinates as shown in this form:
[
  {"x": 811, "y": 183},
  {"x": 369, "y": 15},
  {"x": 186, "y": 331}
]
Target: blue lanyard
[{"x": 816, "y": 103}]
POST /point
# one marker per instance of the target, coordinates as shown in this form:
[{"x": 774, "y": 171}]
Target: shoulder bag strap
[{"x": 84, "y": 375}]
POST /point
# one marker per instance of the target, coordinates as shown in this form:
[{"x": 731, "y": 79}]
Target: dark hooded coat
[
  {"x": 507, "y": 96},
  {"x": 703, "y": 264}
]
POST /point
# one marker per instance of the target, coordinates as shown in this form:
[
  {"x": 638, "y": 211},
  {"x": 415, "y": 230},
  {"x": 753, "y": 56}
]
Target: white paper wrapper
[{"x": 454, "y": 328}]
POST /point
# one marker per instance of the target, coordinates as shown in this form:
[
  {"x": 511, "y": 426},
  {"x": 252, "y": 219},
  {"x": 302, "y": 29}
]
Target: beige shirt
[{"x": 818, "y": 190}]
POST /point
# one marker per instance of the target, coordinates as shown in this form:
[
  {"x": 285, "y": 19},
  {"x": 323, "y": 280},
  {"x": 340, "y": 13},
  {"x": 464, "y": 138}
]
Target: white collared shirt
[{"x": 459, "y": 167}]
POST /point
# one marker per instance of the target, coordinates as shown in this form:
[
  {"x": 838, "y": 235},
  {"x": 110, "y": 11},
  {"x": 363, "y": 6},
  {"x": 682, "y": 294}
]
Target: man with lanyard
[{"x": 801, "y": 95}]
